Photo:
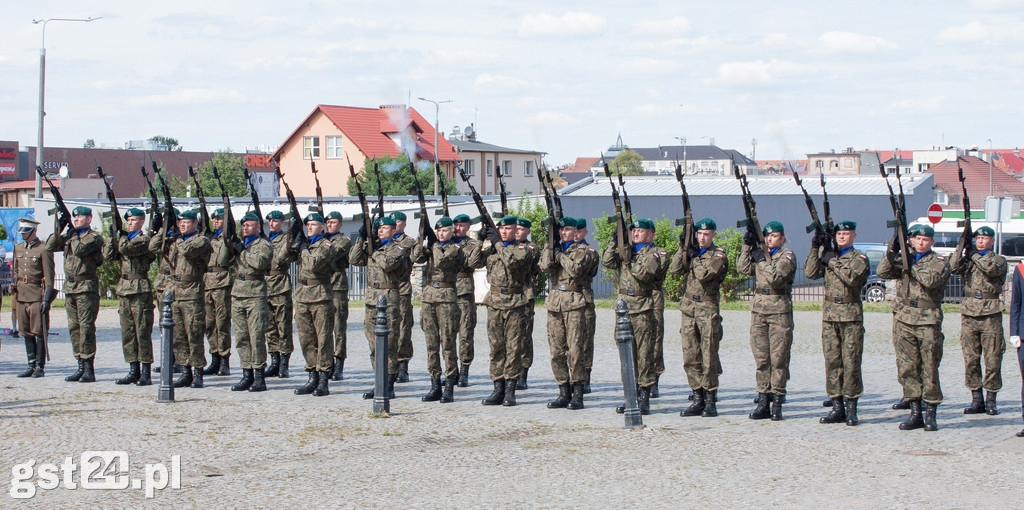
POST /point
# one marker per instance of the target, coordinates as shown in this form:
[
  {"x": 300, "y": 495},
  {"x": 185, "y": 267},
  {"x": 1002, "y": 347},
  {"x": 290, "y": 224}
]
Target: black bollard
[
  {"x": 381, "y": 402},
  {"x": 166, "y": 391},
  {"x": 624, "y": 337}
]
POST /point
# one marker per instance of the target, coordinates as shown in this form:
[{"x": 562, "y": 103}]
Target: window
[
  {"x": 529, "y": 169},
  {"x": 334, "y": 147},
  {"x": 310, "y": 147},
  {"x": 490, "y": 169},
  {"x": 506, "y": 168},
  {"x": 468, "y": 167}
]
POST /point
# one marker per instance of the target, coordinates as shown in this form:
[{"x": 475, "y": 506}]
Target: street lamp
[
  {"x": 42, "y": 88},
  {"x": 437, "y": 112}
]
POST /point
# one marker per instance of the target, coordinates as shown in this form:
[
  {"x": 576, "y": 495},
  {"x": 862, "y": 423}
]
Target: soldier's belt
[
  {"x": 465, "y": 274},
  {"x": 842, "y": 300},
  {"x": 379, "y": 286},
  {"x": 768, "y": 291},
  {"x": 216, "y": 269},
  {"x": 33, "y": 281},
  {"x": 73, "y": 279},
  {"x": 441, "y": 285},
  {"x": 635, "y": 292},
  {"x": 509, "y": 290},
  {"x": 278, "y": 272},
  {"x": 706, "y": 298},
  {"x": 569, "y": 288},
  {"x": 984, "y": 295},
  {"x": 250, "y": 277},
  {"x": 314, "y": 281},
  {"x": 920, "y": 303},
  {"x": 191, "y": 278},
  {"x": 133, "y": 276}
]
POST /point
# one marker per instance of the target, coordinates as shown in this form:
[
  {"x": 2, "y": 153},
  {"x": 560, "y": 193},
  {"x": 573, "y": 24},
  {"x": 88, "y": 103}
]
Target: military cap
[
  {"x": 26, "y": 225},
  {"x": 218, "y": 213},
  {"x": 642, "y": 223},
  {"x": 335, "y": 215},
  {"x": 187, "y": 214},
  {"x": 398, "y": 215},
  {"x": 313, "y": 217},
  {"x": 81, "y": 211},
  {"x": 250, "y": 216},
  {"x": 443, "y": 221},
  {"x": 525, "y": 223},
  {"x": 134, "y": 211},
  {"x": 275, "y": 215},
  {"x": 773, "y": 226},
  {"x": 385, "y": 221},
  {"x": 985, "y": 231},
  {"x": 508, "y": 220},
  {"x": 566, "y": 221},
  {"x": 177, "y": 212},
  {"x": 921, "y": 230},
  {"x": 462, "y": 218},
  {"x": 846, "y": 225},
  {"x": 581, "y": 223},
  {"x": 706, "y": 224}
]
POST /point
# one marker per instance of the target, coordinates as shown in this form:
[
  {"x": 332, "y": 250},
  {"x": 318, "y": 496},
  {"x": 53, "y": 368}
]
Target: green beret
[
  {"x": 134, "y": 211},
  {"x": 581, "y": 223},
  {"x": 525, "y": 223},
  {"x": 335, "y": 215},
  {"x": 462, "y": 218},
  {"x": 218, "y": 213},
  {"x": 921, "y": 230},
  {"x": 642, "y": 223},
  {"x": 313, "y": 217},
  {"x": 385, "y": 221},
  {"x": 443, "y": 221},
  {"x": 985, "y": 231},
  {"x": 508, "y": 220},
  {"x": 398, "y": 216},
  {"x": 773, "y": 226},
  {"x": 846, "y": 225},
  {"x": 566, "y": 221},
  {"x": 177, "y": 212},
  {"x": 81, "y": 211},
  {"x": 250, "y": 216},
  {"x": 706, "y": 224},
  {"x": 275, "y": 215},
  {"x": 188, "y": 214}
]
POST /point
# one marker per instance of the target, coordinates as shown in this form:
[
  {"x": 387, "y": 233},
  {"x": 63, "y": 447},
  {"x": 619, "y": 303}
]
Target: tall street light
[
  {"x": 437, "y": 112},
  {"x": 42, "y": 88}
]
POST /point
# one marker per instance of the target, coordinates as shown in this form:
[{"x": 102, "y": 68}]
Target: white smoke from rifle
[{"x": 404, "y": 137}]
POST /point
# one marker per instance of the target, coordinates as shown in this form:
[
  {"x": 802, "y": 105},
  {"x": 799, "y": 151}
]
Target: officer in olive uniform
[
  {"x": 32, "y": 288},
  {"x": 917, "y": 322},
  {"x": 384, "y": 272},
  {"x": 507, "y": 263},
  {"x": 704, "y": 265},
  {"x": 523, "y": 229},
  {"x": 981, "y": 316},
  {"x": 636, "y": 281},
  {"x": 569, "y": 264},
  {"x": 279, "y": 298},
  {"x": 405, "y": 349},
  {"x": 189, "y": 255},
  {"x": 438, "y": 316},
  {"x": 83, "y": 253},
  {"x": 842, "y": 317},
  {"x": 249, "y": 312},
  {"x": 217, "y": 283},
  {"x": 771, "y": 314},
  {"x": 135, "y": 297},
  {"x": 339, "y": 286},
  {"x": 314, "y": 309},
  {"x": 465, "y": 288},
  {"x": 589, "y": 311}
]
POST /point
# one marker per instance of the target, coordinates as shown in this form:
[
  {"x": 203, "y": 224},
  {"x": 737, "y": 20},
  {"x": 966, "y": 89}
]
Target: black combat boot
[
  {"x": 185, "y": 379},
  {"x": 977, "y": 403},
  {"x": 563, "y": 397},
  {"x": 643, "y": 401},
  {"x": 197, "y": 377},
  {"x": 275, "y": 362},
  {"x": 306, "y": 389},
  {"x": 761, "y": 411},
  {"x": 133, "y": 374},
  {"x": 776, "y": 413},
  {"x": 710, "y": 404},
  {"x": 449, "y": 389},
  {"x": 31, "y": 354},
  {"x": 40, "y": 359},
  {"x": 259, "y": 382},
  {"x": 403, "y": 372},
  {"x": 586, "y": 385},
  {"x": 214, "y": 365},
  {"x": 145, "y": 375},
  {"x": 321, "y": 388},
  {"x": 368, "y": 395},
  {"x": 282, "y": 371},
  {"x": 697, "y": 406},
  {"x": 248, "y": 376},
  {"x": 89, "y": 374},
  {"x": 497, "y": 395},
  {"x": 463, "y": 375},
  {"x": 77, "y": 375},
  {"x": 929, "y": 417},
  {"x": 392, "y": 379},
  {"x": 510, "y": 393},
  {"x": 902, "y": 405},
  {"x": 851, "y": 411},
  {"x": 225, "y": 368},
  {"x": 914, "y": 421},
  {"x": 577, "y": 397},
  {"x": 435, "y": 390},
  {"x": 176, "y": 368},
  {"x": 837, "y": 414},
  {"x": 826, "y": 403},
  {"x": 990, "y": 401},
  {"x": 338, "y": 370},
  {"x": 655, "y": 391},
  {"x": 521, "y": 383}
]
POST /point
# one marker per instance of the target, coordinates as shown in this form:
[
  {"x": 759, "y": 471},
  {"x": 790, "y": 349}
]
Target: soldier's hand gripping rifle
[
  {"x": 689, "y": 236},
  {"x": 230, "y": 233},
  {"x": 319, "y": 191},
  {"x": 621, "y": 228},
  {"x": 480, "y": 207},
  {"x": 255, "y": 197},
  {"x": 296, "y": 230},
  {"x": 441, "y": 190},
  {"x": 116, "y": 227},
  {"x": 204, "y": 213},
  {"x": 751, "y": 223},
  {"x": 365, "y": 206},
  {"x": 966, "y": 242},
  {"x": 155, "y": 217},
  {"x": 425, "y": 231},
  {"x": 61, "y": 210},
  {"x": 899, "y": 223}
]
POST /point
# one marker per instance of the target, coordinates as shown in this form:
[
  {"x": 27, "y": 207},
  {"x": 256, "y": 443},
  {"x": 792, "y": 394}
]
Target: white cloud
[
  {"x": 758, "y": 71},
  {"x": 189, "y": 96},
  {"x": 849, "y": 42},
  {"x": 997, "y": 5},
  {"x": 653, "y": 27},
  {"x": 971, "y": 32},
  {"x": 778, "y": 39},
  {"x": 550, "y": 119},
  {"x": 498, "y": 82},
  {"x": 780, "y": 127},
  {"x": 646, "y": 65},
  {"x": 919, "y": 104},
  {"x": 568, "y": 24}
]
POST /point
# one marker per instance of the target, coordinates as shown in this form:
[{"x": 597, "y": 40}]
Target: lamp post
[
  {"x": 437, "y": 112},
  {"x": 42, "y": 88}
]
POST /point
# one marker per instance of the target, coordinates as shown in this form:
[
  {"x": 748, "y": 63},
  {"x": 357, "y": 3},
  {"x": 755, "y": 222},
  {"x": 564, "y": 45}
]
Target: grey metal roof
[
  {"x": 470, "y": 145},
  {"x": 759, "y": 185},
  {"x": 675, "y": 152}
]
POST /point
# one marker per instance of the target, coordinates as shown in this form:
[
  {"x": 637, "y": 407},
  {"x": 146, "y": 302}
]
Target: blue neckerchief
[
  {"x": 171, "y": 232},
  {"x": 131, "y": 235},
  {"x": 639, "y": 246},
  {"x": 506, "y": 243},
  {"x": 443, "y": 243},
  {"x": 384, "y": 242},
  {"x": 844, "y": 250},
  {"x": 918, "y": 256},
  {"x": 396, "y": 236},
  {"x": 83, "y": 230},
  {"x": 332, "y": 236},
  {"x": 704, "y": 250},
  {"x": 250, "y": 239},
  {"x": 314, "y": 239},
  {"x": 458, "y": 239},
  {"x": 983, "y": 253},
  {"x": 217, "y": 232},
  {"x": 566, "y": 245},
  {"x": 186, "y": 237},
  {"x": 771, "y": 253},
  {"x": 274, "y": 234}
]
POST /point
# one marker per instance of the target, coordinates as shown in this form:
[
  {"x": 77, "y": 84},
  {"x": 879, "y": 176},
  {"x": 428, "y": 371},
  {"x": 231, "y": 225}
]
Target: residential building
[
  {"x": 486, "y": 165},
  {"x": 949, "y": 191}
]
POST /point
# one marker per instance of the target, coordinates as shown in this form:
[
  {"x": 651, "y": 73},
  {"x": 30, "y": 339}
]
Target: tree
[
  {"x": 171, "y": 143},
  {"x": 396, "y": 179},
  {"x": 230, "y": 168},
  {"x": 89, "y": 144},
  {"x": 627, "y": 163}
]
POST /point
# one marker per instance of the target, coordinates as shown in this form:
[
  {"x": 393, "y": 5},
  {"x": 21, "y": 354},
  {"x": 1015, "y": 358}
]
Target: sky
[{"x": 565, "y": 78}]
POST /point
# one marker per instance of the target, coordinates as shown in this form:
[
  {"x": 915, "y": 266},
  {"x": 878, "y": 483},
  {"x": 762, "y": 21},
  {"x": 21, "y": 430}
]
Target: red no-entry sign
[{"x": 935, "y": 213}]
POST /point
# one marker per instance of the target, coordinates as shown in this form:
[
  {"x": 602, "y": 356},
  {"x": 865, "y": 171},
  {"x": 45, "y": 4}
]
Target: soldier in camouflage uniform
[
  {"x": 249, "y": 310},
  {"x": 217, "y": 283},
  {"x": 83, "y": 253},
  {"x": 981, "y": 316},
  {"x": 33, "y": 293},
  {"x": 842, "y": 317},
  {"x": 636, "y": 280},
  {"x": 569, "y": 264},
  {"x": 659, "y": 315},
  {"x": 405, "y": 349},
  {"x": 162, "y": 281},
  {"x": 339, "y": 287},
  {"x": 135, "y": 296},
  {"x": 465, "y": 288},
  {"x": 771, "y": 314},
  {"x": 314, "y": 308},
  {"x": 589, "y": 311},
  {"x": 523, "y": 229},
  {"x": 189, "y": 255},
  {"x": 279, "y": 298},
  {"x": 385, "y": 268},
  {"x": 704, "y": 266},
  {"x": 917, "y": 322},
  {"x": 438, "y": 316}
]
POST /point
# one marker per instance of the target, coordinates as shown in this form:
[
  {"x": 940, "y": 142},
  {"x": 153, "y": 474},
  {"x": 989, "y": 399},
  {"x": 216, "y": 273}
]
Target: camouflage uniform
[
  {"x": 659, "y": 316},
  {"x": 590, "y": 315},
  {"x": 217, "y": 298},
  {"x": 771, "y": 316},
  {"x": 636, "y": 281},
  {"x": 701, "y": 329},
  {"x": 135, "y": 295},
  {"x": 384, "y": 270},
  {"x": 981, "y": 315},
  {"x": 339, "y": 287},
  {"x": 83, "y": 253},
  {"x": 32, "y": 273},
  {"x": 405, "y": 350},
  {"x": 531, "y": 297},
  {"x": 314, "y": 310},
  {"x": 506, "y": 308},
  {"x": 465, "y": 311},
  {"x": 569, "y": 270},
  {"x": 438, "y": 315},
  {"x": 249, "y": 311},
  {"x": 279, "y": 296},
  {"x": 189, "y": 256}
]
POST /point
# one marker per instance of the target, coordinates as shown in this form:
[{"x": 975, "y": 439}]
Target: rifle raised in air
[
  {"x": 365, "y": 215},
  {"x": 963, "y": 246},
  {"x": 899, "y": 224},
  {"x": 621, "y": 227},
  {"x": 230, "y": 233},
  {"x": 484, "y": 215},
  {"x": 296, "y": 230},
  {"x": 425, "y": 231},
  {"x": 319, "y": 192},
  {"x": 155, "y": 217},
  {"x": 689, "y": 234},
  {"x": 255, "y": 197},
  {"x": 750, "y": 210},
  {"x": 441, "y": 190},
  {"x": 204, "y": 213},
  {"x": 61, "y": 210},
  {"x": 116, "y": 225}
]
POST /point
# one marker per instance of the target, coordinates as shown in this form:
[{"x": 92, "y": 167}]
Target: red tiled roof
[
  {"x": 1012, "y": 161},
  {"x": 584, "y": 164},
  {"x": 30, "y": 184},
  {"x": 976, "y": 181}
]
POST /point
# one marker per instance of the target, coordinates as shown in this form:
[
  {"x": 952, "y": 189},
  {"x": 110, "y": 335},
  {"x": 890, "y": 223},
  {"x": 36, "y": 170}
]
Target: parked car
[{"x": 875, "y": 288}]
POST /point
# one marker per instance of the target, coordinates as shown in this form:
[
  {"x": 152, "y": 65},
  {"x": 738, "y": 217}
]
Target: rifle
[
  {"x": 255, "y": 197},
  {"x": 365, "y": 215},
  {"x": 296, "y": 230},
  {"x": 425, "y": 231},
  {"x": 116, "y": 227},
  {"x": 551, "y": 222},
  {"x": 319, "y": 192},
  {"x": 484, "y": 215},
  {"x": 503, "y": 195},
  {"x": 380, "y": 191},
  {"x": 441, "y": 190},
  {"x": 628, "y": 210},
  {"x": 64, "y": 215},
  {"x": 621, "y": 228},
  {"x": 155, "y": 218},
  {"x": 750, "y": 209},
  {"x": 899, "y": 222},
  {"x": 230, "y": 233},
  {"x": 171, "y": 219},
  {"x": 689, "y": 234},
  {"x": 203, "y": 212},
  {"x": 556, "y": 200},
  {"x": 963, "y": 246},
  {"x": 816, "y": 225}
]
